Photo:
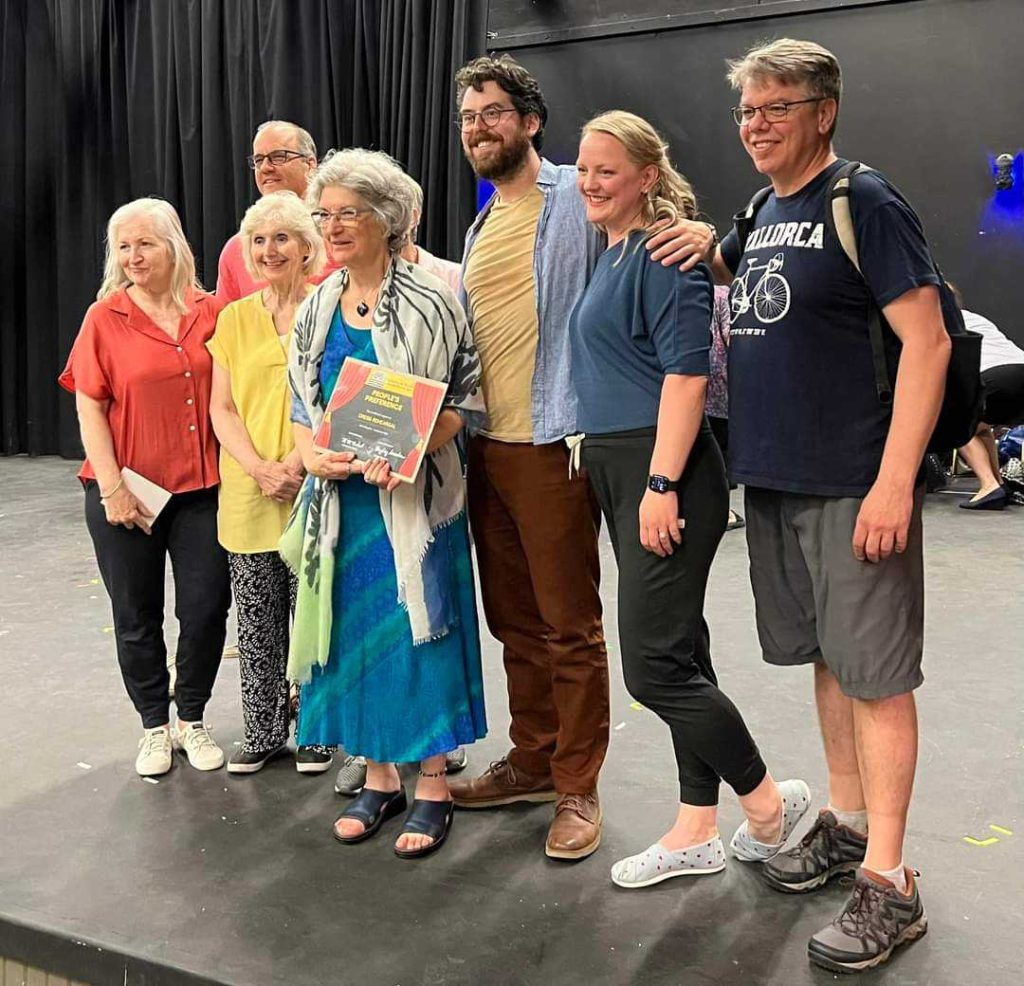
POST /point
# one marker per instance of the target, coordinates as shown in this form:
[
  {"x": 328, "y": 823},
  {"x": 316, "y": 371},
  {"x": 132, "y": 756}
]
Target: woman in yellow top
[{"x": 261, "y": 471}]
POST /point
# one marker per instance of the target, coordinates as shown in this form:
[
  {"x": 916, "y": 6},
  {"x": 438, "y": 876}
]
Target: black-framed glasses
[
  {"x": 349, "y": 216},
  {"x": 772, "y": 112},
  {"x": 276, "y": 158},
  {"x": 490, "y": 116}
]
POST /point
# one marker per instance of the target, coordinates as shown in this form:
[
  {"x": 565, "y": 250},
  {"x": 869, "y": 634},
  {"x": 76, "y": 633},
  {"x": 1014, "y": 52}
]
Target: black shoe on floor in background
[
  {"x": 995, "y": 500},
  {"x": 242, "y": 762},
  {"x": 313, "y": 759}
]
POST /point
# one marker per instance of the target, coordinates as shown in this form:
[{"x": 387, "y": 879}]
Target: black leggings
[
  {"x": 663, "y": 637},
  {"x": 133, "y": 567}
]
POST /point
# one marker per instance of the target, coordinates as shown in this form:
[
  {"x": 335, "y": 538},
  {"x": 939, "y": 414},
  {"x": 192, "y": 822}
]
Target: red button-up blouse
[{"x": 158, "y": 388}]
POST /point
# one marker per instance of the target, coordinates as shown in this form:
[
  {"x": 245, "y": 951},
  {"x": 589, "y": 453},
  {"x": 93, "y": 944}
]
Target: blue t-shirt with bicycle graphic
[{"x": 804, "y": 415}]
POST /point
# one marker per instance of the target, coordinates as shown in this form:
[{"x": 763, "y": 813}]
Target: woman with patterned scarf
[{"x": 386, "y": 642}]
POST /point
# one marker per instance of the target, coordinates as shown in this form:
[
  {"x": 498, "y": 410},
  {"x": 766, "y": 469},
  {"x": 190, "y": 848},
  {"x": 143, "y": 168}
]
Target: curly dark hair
[{"x": 512, "y": 78}]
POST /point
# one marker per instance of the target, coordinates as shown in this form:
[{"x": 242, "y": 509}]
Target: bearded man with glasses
[{"x": 833, "y": 478}]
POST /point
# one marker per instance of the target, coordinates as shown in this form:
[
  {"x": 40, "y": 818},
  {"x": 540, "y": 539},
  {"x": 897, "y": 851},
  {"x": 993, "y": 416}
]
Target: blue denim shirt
[{"x": 564, "y": 257}]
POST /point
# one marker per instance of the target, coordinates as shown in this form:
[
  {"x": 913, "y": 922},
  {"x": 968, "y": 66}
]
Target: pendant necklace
[{"x": 363, "y": 309}]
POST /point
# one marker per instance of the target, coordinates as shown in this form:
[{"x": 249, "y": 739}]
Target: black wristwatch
[{"x": 662, "y": 484}]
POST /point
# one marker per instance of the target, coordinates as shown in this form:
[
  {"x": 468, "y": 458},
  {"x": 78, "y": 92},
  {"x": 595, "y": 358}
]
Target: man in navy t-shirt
[{"x": 832, "y": 500}]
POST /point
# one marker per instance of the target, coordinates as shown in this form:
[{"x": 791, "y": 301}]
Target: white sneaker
[
  {"x": 155, "y": 752},
  {"x": 198, "y": 745}
]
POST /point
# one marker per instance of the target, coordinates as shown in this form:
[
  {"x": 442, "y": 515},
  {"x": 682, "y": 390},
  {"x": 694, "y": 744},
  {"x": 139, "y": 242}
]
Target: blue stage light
[{"x": 1006, "y": 207}]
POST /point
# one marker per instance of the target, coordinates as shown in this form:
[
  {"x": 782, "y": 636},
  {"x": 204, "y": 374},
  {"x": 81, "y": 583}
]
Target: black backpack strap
[
  {"x": 743, "y": 221},
  {"x": 839, "y": 220}
]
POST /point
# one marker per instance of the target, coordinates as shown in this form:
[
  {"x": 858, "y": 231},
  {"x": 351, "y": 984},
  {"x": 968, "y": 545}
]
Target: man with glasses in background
[
  {"x": 833, "y": 498},
  {"x": 283, "y": 159},
  {"x": 529, "y": 255}
]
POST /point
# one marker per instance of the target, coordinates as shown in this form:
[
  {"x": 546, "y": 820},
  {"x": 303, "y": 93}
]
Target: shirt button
[
  {"x": 189, "y": 400},
  {"x": 191, "y": 427},
  {"x": 188, "y": 373},
  {"x": 179, "y": 349}
]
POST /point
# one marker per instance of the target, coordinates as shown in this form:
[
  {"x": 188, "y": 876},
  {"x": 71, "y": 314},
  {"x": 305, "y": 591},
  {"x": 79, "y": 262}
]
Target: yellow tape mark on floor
[
  {"x": 980, "y": 842},
  {"x": 1000, "y": 830},
  {"x": 636, "y": 706}
]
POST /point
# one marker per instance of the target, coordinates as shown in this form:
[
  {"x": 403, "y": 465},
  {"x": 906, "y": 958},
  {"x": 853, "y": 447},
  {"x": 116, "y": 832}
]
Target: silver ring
[{"x": 663, "y": 535}]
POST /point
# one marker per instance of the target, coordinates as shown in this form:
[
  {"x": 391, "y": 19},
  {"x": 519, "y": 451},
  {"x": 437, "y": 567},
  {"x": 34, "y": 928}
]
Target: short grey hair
[
  {"x": 304, "y": 142},
  {"x": 287, "y": 212},
  {"x": 416, "y": 191},
  {"x": 793, "y": 63},
  {"x": 378, "y": 179}
]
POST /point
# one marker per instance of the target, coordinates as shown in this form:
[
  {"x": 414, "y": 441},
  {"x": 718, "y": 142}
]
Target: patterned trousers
[{"x": 264, "y": 591}]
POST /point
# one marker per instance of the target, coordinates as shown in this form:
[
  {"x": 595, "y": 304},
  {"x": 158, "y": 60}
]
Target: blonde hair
[
  {"x": 286, "y": 211},
  {"x": 793, "y": 63},
  {"x": 378, "y": 179},
  {"x": 671, "y": 196},
  {"x": 167, "y": 226}
]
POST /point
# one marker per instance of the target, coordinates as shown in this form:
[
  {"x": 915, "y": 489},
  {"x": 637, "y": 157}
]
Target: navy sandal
[
  {"x": 373, "y": 809},
  {"x": 430, "y": 818}
]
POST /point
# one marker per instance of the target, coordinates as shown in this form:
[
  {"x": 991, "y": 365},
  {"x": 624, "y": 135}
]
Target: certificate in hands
[{"x": 379, "y": 413}]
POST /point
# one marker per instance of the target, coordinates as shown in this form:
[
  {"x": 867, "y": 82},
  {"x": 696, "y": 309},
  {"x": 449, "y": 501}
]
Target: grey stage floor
[{"x": 238, "y": 881}]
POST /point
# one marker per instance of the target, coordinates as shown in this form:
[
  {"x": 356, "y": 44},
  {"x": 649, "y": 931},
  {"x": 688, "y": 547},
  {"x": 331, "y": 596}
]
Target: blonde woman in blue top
[{"x": 640, "y": 339}]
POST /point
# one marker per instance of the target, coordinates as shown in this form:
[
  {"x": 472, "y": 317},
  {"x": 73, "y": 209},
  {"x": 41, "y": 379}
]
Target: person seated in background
[
  {"x": 261, "y": 470},
  {"x": 1002, "y": 375},
  {"x": 283, "y": 157},
  {"x": 140, "y": 373},
  {"x": 385, "y": 642},
  {"x": 640, "y": 342},
  {"x": 716, "y": 402},
  {"x": 352, "y": 773}
]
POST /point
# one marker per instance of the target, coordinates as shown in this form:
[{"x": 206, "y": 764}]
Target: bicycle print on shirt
[{"x": 769, "y": 294}]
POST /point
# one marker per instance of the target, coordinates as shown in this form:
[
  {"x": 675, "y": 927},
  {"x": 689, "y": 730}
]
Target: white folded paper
[{"x": 153, "y": 497}]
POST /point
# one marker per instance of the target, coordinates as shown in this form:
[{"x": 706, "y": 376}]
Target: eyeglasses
[
  {"x": 772, "y": 112},
  {"x": 277, "y": 158},
  {"x": 490, "y": 116},
  {"x": 348, "y": 216}
]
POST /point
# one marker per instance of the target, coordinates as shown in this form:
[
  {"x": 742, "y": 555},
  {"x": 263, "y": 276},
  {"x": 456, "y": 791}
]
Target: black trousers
[
  {"x": 132, "y": 565},
  {"x": 663, "y": 637}
]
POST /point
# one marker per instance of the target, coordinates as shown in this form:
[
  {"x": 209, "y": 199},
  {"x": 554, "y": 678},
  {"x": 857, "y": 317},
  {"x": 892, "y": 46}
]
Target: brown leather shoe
[
  {"x": 501, "y": 784},
  {"x": 576, "y": 831}
]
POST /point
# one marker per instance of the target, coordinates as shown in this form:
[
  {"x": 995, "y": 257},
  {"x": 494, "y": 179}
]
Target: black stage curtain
[{"x": 108, "y": 100}]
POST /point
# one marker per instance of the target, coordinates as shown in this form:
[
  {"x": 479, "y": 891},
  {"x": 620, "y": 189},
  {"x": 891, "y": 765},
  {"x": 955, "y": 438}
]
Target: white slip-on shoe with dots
[
  {"x": 658, "y": 863},
  {"x": 796, "y": 799}
]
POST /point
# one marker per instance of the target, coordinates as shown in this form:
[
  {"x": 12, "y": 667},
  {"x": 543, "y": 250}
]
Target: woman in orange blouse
[{"x": 141, "y": 373}]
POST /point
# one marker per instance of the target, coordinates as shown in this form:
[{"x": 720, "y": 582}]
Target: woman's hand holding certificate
[
  {"x": 333, "y": 465},
  {"x": 378, "y": 473}
]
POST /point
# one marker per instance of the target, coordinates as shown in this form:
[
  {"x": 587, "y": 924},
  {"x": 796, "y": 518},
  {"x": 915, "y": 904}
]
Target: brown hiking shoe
[
  {"x": 501, "y": 784},
  {"x": 576, "y": 831}
]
